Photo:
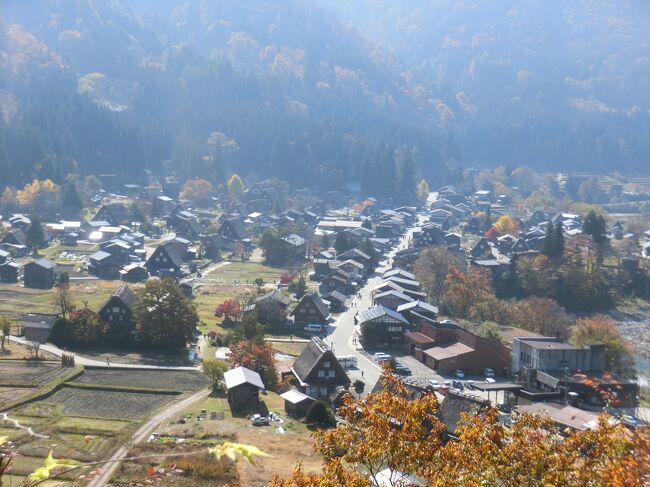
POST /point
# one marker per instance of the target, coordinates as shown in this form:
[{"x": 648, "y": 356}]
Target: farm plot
[
  {"x": 33, "y": 373},
  {"x": 107, "y": 404},
  {"x": 175, "y": 380},
  {"x": 12, "y": 393}
]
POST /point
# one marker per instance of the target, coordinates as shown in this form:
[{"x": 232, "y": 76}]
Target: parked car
[
  {"x": 490, "y": 380},
  {"x": 434, "y": 384},
  {"x": 469, "y": 384},
  {"x": 259, "y": 420},
  {"x": 402, "y": 370},
  {"x": 488, "y": 372},
  {"x": 460, "y": 374},
  {"x": 457, "y": 385}
]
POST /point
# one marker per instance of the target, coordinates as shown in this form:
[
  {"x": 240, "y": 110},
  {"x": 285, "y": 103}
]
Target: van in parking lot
[{"x": 381, "y": 357}]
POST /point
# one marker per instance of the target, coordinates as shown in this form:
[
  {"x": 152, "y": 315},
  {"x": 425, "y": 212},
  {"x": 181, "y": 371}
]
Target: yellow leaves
[
  {"x": 34, "y": 190},
  {"x": 230, "y": 451},
  {"x": 44, "y": 472},
  {"x": 506, "y": 225}
]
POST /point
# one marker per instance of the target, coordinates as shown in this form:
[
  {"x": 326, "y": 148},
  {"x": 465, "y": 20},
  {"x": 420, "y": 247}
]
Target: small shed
[
  {"x": 243, "y": 386},
  {"x": 9, "y": 272},
  {"x": 296, "y": 403}
]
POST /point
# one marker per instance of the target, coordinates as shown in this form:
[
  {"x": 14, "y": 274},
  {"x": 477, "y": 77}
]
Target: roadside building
[
  {"x": 117, "y": 313},
  {"x": 381, "y": 327},
  {"x": 317, "y": 371},
  {"x": 243, "y": 387},
  {"x": 310, "y": 310}
]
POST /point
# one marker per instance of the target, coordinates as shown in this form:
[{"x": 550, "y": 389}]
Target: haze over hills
[{"x": 321, "y": 92}]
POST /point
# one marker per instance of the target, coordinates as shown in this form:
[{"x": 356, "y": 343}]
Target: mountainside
[
  {"x": 312, "y": 91},
  {"x": 546, "y": 82}
]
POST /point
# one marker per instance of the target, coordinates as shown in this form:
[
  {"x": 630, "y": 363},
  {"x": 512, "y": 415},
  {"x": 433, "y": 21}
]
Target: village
[{"x": 306, "y": 298}]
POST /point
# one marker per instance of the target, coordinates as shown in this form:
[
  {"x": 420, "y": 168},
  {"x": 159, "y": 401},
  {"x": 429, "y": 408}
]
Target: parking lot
[{"x": 423, "y": 374}]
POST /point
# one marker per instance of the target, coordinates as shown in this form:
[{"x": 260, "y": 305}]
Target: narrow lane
[{"x": 342, "y": 338}]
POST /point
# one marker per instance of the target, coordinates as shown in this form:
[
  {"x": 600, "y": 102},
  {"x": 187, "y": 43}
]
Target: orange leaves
[
  {"x": 198, "y": 191},
  {"x": 387, "y": 429}
]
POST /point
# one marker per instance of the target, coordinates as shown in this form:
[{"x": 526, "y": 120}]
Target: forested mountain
[
  {"x": 549, "y": 83},
  {"x": 320, "y": 92}
]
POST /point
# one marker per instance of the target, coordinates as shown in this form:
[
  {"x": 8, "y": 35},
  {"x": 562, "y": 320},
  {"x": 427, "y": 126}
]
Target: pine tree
[
  {"x": 548, "y": 247},
  {"x": 558, "y": 240},
  {"x": 35, "y": 235},
  {"x": 596, "y": 227},
  {"x": 341, "y": 243},
  {"x": 71, "y": 202}
]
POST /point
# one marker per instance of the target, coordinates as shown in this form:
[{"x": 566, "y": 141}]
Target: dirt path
[{"x": 142, "y": 434}]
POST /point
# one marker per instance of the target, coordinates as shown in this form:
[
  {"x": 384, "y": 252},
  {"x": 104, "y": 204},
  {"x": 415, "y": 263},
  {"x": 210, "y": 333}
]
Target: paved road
[
  {"x": 343, "y": 335},
  {"x": 144, "y": 433},
  {"x": 80, "y": 360}
]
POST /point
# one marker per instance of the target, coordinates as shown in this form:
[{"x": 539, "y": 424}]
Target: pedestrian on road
[
  {"x": 108, "y": 361},
  {"x": 362, "y": 374}
]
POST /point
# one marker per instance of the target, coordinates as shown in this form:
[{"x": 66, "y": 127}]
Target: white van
[
  {"x": 381, "y": 357},
  {"x": 314, "y": 328}
]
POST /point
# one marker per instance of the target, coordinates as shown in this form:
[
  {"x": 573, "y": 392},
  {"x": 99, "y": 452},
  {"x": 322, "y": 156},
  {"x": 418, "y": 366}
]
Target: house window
[
  {"x": 326, "y": 364},
  {"x": 394, "y": 329},
  {"x": 116, "y": 309},
  {"x": 331, "y": 374},
  {"x": 321, "y": 374}
]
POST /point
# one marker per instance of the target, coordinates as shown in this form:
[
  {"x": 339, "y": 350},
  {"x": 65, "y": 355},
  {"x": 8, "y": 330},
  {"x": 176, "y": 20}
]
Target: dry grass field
[
  {"x": 28, "y": 372},
  {"x": 288, "y": 446},
  {"x": 177, "y": 380},
  {"x": 107, "y": 404}
]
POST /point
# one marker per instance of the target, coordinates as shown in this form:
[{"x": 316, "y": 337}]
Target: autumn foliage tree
[
  {"x": 259, "y": 357},
  {"x": 432, "y": 270},
  {"x": 602, "y": 329},
  {"x": 465, "y": 289},
  {"x": 197, "y": 191},
  {"x": 506, "y": 225},
  {"x": 388, "y": 430},
  {"x": 235, "y": 187},
  {"x": 229, "y": 310}
]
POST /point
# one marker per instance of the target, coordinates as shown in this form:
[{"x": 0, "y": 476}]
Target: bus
[{"x": 347, "y": 361}]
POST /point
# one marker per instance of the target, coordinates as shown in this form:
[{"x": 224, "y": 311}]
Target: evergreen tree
[
  {"x": 558, "y": 239},
  {"x": 325, "y": 242},
  {"x": 548, "y": 247},
  {"x": 596, "y": 227},
  {"x": 35, "y": 235},
  {"x": 71, "y": 202},
  {"x": 341, "y": 243},
  {"x": 367, "y": 224}
]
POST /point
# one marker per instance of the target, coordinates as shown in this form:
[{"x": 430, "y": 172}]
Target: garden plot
[
  {"x": 174, "y": 380},
  {"x": 107, "y": 404},
  {"x": 32, "y": 373},
  {"x": 12, "y": 393}
]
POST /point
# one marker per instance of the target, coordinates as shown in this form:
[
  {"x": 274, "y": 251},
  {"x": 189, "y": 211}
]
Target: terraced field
[
  {"x": 107, "y": 404},
  {"x": 175, "y": 380},
  {"x": 24, "y": 372}
]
